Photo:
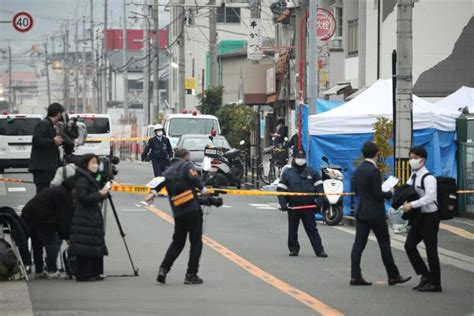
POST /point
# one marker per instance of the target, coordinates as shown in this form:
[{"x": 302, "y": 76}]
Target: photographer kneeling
[
  {"x": 182, "y": 182},
  {"x": 49, "y": 215},
  {"x": 87, "y": 231}
]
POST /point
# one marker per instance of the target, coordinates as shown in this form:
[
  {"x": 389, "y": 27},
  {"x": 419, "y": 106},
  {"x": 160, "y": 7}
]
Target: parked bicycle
[{"x": 275, "y": 158}]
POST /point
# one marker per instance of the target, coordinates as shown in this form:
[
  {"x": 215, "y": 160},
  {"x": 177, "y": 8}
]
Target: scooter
[
  {"x": 333, "y": 184},
  {"x": 222, "y": 169}
]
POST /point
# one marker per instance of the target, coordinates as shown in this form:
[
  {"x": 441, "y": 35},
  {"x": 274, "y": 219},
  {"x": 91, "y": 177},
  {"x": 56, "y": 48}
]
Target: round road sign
[
  {"x": 22, "y": 21},
  {"x": 326, "y": 26}
]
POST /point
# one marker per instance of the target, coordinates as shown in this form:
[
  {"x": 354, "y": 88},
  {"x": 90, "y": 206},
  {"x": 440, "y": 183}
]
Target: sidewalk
[{"x": 15, "y": 298}]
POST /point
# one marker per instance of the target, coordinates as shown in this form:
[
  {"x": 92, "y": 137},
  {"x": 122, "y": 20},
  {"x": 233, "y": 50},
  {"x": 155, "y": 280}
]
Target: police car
[
  {"x": 16, "y": 133},
  {"x": 99, "y": 130}
]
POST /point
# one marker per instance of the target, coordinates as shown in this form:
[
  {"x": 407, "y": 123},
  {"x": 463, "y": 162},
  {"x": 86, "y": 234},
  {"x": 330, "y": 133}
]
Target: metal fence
[{"x": 466, "y": 176}]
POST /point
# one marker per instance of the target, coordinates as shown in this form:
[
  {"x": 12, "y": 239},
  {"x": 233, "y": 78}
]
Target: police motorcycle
[
  {"x": 333, "y": 184},
  {"x": 222, "y": 168}
]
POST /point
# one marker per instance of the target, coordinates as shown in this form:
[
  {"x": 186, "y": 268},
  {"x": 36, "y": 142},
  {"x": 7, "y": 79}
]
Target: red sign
[
  {"x": 22, "y": 21},
  {"x": 326, "y": 24}
]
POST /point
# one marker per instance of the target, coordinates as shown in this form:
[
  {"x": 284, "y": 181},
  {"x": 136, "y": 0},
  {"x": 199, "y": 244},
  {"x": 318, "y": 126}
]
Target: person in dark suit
[
  {"x": 160, "y": 151},
  {"x": 45, "y": 159},
  {"x": 370, "y": 216}
]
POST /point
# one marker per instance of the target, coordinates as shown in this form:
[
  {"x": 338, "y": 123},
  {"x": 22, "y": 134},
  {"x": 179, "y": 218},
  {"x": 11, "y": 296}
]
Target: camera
[
  {"x": 211, "y": 201},
  {"x": 107, "y": 168}
]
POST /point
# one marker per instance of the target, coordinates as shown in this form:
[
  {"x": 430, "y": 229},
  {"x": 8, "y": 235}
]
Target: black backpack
[
  {"x": 446, "y": 199},
  {"x": 9, "y": 264},
  {"x": 176, "y": 182}
]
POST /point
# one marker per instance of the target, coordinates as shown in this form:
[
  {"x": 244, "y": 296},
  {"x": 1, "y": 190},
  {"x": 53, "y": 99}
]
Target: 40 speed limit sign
[{"x": 22, "y": 21}]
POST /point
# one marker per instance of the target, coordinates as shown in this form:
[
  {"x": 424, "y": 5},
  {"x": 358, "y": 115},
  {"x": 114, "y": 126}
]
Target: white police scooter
[{"x": 333, "y": 184}]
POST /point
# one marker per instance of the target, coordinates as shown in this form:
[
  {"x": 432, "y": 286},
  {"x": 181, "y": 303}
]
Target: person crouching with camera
[
  {"x": 87, "y": 230},
  {"x": 182, "y": 183}
]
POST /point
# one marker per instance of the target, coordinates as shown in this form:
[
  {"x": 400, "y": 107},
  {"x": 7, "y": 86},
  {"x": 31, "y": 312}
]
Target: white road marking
[
  {"x": 133, "y": 210},
  {"x": 453, "y": 258},
  {"x": 465, "y": 222},
  {"x": 263, "y": 206},
  {"x": 17, "y": 189},
  {"x": 226, "y": 206}
]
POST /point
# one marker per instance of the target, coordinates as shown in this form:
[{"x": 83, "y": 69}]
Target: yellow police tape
[
  {"x": 143, "y": 189},
  {"x": 116, "y": 139}
]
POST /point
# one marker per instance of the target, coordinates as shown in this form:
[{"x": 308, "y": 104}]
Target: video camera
[
  {"x": 107, "y": 168},
  {"x": 211, "y": 200}
]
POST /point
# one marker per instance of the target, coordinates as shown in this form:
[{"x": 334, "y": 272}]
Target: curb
[{"x": 349, "y": 220}]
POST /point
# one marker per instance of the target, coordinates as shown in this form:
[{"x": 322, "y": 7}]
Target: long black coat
[
  {"x": 87, "y": 230},
  {"x": 51, "y": 210},
  {"x": 44, "y": 152}
]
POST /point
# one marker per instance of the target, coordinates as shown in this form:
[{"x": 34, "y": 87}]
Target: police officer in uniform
[
  {"x": 301, "y": 178},
  {"x": 159, "y": 150},
  {"x": 182, "y": 183}
]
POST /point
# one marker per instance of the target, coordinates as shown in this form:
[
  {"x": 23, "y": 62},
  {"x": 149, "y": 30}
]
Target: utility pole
[
  {"x": 65, "y": 67},
  {"x": 212, "y": 44},
  {"x": 10, "y": 81},
  {"x": 312, "y": 86},
  {"x": 103, "y": 107},
  {"x": 76, "y": 69},
  {"x": 84, "y": 69},
  {"x": 404, "y": 105},
  {"x": 146, "y": 71},
  {"x": 156, "y": 65},
  {"x": 182, "y": 60},
  {"x": 300, "y": 62},
  {"x": 93, "y": 58},
  {"x": 124, "y": 60},
  {"x": 46, "y": 64}
]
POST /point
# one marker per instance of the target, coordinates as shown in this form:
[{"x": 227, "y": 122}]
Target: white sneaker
[
  {"x": 56, "y": 276},
  {"x": 41, "y": 276}
]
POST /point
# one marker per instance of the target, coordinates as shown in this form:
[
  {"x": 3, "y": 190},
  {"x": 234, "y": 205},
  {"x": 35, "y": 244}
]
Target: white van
[
  {"x": 16, "y": 133},
  {"x": 177, "y": 125},
  {"x": 99, "y": 126}
]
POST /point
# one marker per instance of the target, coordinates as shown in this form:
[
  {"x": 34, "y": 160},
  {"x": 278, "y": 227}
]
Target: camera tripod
[{"x": 122, "y": 234}]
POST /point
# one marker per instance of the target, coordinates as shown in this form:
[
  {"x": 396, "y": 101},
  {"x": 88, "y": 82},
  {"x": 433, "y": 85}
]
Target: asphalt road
[{"x": 246, "y": 267}]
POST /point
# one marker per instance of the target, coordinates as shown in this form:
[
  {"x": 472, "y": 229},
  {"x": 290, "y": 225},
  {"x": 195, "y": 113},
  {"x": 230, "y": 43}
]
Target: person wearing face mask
[
  {"x": 301, "y": 178},
  {"x": 426, "y": 228},
  {"x": 87, "y": 230},
  {"x": 45, "y": 159},
  {"x": 159, "y": 150},
  {"x": 370, "y": 216}
]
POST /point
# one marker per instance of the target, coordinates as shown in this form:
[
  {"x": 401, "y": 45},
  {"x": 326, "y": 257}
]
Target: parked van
[
  {"x": 16, "y": 133},
  {"x": 99, "y": 126},
  {"x": 177, "y": 125}
]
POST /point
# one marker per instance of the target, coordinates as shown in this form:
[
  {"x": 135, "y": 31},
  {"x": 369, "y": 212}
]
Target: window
[
  {"x": 18, "y": 126},
  {"x": 191, "y": 125},
  {"x": 338, "y": 36},
  {"x": 228, "y": 15},
  {"x": 353, "y": 37},
  {"x": 96, "y": 125}
]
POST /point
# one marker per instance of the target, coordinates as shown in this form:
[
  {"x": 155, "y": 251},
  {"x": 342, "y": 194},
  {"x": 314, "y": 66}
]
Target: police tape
[
  {"x": 143, "y": 189},
  {"x": 116, "y": 139},
  {"x": 15, "y": 181}
]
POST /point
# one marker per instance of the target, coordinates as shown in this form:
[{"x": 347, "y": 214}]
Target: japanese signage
[{"x": 254, "y": 41}]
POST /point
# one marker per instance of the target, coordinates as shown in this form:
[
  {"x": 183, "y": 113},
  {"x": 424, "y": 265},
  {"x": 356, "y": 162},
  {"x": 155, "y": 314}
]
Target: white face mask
[
  {"x": 300, "y": 161},
  {"x": 415, "y": 164},
  {"x": 159, "y": 133}
]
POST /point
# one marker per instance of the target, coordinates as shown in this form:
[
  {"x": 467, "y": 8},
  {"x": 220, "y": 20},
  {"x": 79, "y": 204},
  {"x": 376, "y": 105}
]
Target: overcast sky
[{"x": 49, "y": 17}]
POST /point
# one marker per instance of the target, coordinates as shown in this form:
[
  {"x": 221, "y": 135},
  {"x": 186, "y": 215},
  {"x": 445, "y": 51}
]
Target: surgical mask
[
  {"x": 415, "y": 164},
  {"x": 93, "y": 166},
  {"x": 300, "y": 161},
  {"x": 159, "y": 134}
]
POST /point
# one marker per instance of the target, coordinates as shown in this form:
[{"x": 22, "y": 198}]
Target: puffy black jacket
[
  {"x": 87, "y": 230},
  {"x": 160, "y": 149},
  {"x": 50, "y": 211},
  {"x": 300, "y": 179},
  {"x": 19, "y": 231},
  {"x": 44, "y": 152},
  {"x": 407, "y": 193}
]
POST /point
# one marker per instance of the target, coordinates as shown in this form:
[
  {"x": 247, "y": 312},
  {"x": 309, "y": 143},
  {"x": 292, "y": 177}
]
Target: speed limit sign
[{"x": 22, "y": 21}]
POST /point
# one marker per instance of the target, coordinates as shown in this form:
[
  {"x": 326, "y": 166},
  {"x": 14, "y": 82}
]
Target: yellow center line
[
  {"x": 301, "y": 296},
  {"x": 457, "y": 231}
]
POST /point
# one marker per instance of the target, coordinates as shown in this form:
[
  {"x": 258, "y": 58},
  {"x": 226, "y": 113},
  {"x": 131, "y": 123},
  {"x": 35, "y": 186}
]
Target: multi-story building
[
  {"x": 232, "y": 26},
  {"x": 443, "y": 45}
]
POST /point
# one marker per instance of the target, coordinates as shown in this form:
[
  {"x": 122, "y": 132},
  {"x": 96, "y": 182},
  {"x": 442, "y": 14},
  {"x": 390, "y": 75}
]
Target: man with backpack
[
  {"x": 426, "y": 227},
  {"x": 182, "y": 183}
]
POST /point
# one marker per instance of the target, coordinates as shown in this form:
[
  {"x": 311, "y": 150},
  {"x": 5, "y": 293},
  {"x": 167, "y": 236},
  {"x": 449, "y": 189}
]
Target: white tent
[
  {"x": 448, "y": 109},
  {"x": 358, "y": 115}
]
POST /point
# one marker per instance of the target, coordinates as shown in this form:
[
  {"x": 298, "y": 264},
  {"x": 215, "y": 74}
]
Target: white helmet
[{"x": 158, "y": 127}]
